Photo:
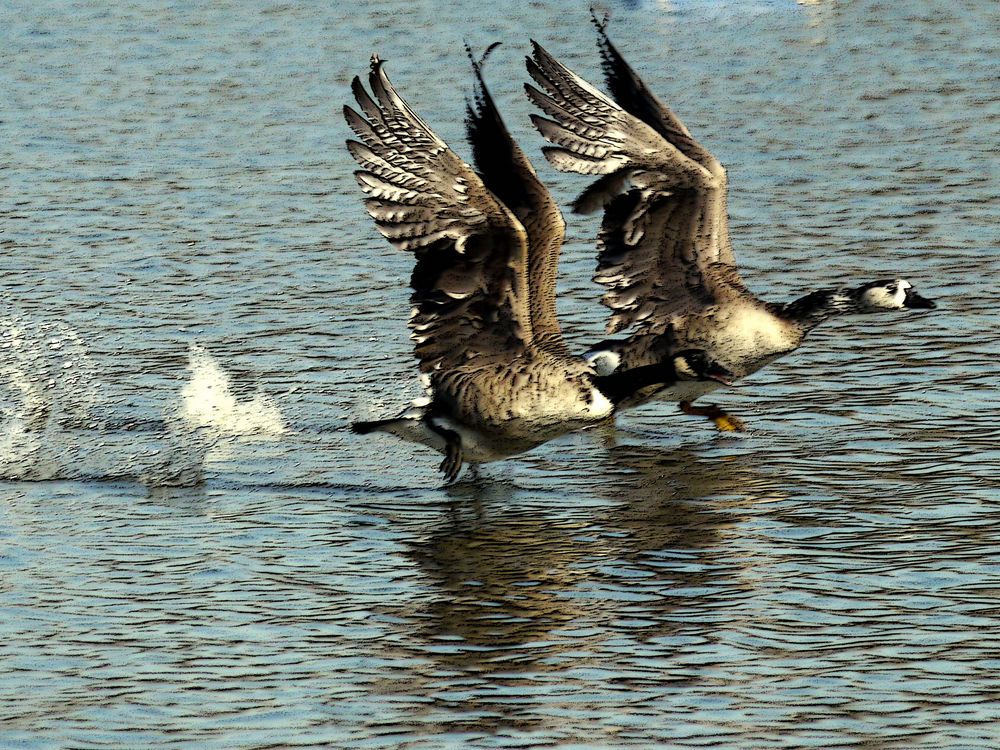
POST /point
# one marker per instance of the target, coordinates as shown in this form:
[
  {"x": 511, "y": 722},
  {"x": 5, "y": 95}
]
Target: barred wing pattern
[
  {"x": 661, "y": 244},
  {"x": 469, "y": 290},
  {"x": 631, "y": 93}
]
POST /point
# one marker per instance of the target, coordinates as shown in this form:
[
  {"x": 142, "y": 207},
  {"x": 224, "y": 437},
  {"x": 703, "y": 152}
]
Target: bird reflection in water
[{"x": 526, "y": 587}]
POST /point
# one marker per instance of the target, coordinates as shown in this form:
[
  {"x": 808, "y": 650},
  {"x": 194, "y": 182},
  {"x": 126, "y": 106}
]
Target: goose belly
[
  {"x": 534, "y": 406},
  {"x": 569, "y": 409},
  {"x": 501, "y": 411},
  {"x": 478, "y": 446},
  {"x": 415, "y": 430},
  {"x": 741, "y": 338},
  {"x": 685, "y": 390},
  {"x": 528, "y": 426}
]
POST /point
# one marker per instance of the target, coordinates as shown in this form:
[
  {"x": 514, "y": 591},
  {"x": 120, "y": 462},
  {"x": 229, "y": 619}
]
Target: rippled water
[{"x": 195, "y": 304}]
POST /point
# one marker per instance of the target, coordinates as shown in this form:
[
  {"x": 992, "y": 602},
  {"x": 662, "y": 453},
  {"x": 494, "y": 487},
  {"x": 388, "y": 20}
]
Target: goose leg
[
  {"x": 723, "y": 422},
  {"x": 452, "y": 463}
]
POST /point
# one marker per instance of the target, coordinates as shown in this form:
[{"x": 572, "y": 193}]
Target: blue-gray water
[{"x": 212, "y": 562}]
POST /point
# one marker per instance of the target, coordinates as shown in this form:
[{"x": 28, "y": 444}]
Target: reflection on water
[
  {"x": 196, "y": 304},
  {"x": 529, "y": 595}
]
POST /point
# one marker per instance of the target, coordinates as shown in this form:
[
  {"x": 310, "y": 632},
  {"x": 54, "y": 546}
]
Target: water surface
[{"x": 194, "y": 553}]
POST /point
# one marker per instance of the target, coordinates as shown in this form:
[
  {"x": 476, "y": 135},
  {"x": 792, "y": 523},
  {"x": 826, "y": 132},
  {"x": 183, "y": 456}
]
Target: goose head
[
  {"x": 890, "y": 294},
  {"x": 695, "y": 364}
]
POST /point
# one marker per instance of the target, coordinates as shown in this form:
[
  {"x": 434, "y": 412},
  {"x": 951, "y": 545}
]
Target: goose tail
[{"x": 378, "y": 425}]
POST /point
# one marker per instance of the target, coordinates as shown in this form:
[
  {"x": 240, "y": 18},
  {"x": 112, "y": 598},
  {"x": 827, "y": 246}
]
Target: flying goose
[
  {"x": 495, "y": 387},
  {"x": 664, "y": 252}
]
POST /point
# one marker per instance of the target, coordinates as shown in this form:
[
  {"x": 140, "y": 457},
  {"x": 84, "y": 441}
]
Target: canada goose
[
  {"x": 664, "y": 250},
  {"x": 495, "y": 389}
]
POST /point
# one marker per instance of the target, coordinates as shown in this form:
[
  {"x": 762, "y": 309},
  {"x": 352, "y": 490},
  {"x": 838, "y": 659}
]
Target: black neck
[
  {"x": 619, "y": 386},
  {"x": 812, "y": 309}
]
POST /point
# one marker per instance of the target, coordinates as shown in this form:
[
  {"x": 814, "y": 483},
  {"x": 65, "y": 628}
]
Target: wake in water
[{"x": 55, "y": 425}]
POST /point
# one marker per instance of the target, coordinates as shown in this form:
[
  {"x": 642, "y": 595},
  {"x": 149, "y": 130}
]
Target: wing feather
[
  {"x": 509, "y": 175},
  {"x": 631, "y": 94},
  {"x": 663, "y": 243},
  {"x": 470, "y": 298}
]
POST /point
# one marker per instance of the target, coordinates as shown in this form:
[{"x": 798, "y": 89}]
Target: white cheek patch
[
  {"x": 902, "y": 285},
  {"x": 603, "y": 361},
  {"x": 684, "y": 369},
  {"x": 880, "y": 298}
]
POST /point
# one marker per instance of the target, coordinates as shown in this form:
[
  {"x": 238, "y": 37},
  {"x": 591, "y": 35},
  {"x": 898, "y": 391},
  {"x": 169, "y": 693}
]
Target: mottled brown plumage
[
  {"x": 501, "y": 380},
  {"x": 663, "y": 244},
  {"x": 495, "y": 391},
  {"x": 469, "y": 292},
  {"x": 509, "y": 175},
  {"x": 664, "y": 254}
]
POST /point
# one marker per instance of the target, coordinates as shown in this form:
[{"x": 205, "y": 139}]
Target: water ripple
[{"x": 255, "y": 576}]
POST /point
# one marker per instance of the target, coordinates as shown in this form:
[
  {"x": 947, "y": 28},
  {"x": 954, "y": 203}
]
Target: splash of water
[
  {"x": 44, "y": 381},
  {"x": 208, "y": 403},
  {"x": 53, "y": 426}
]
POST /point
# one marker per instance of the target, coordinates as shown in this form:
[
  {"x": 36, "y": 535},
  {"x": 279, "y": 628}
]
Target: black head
[
  {"x": 695, "y": 364},
  {"x": 891, "y": 294}
]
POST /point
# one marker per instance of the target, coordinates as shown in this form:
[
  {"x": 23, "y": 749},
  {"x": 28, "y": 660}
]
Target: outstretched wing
[
  {"x": 631, "y": 93},
  {"x": 663, "y": 246},
  {"x": 469, "y": 289},
  {"x": 509, "y": 175}
]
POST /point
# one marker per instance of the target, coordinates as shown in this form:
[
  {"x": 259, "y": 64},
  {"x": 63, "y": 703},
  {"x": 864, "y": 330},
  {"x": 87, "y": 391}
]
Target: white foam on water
[
  {"x": 208, "y": 403},
  {"x": 52, "y": 426},
  {"x": 30, "y": 383},
  {"x": 47, "y": 391}
]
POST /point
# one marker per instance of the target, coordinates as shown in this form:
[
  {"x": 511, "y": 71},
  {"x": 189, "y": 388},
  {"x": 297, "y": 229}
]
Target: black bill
[
  {"x": 915, "y": 302},
  {"x": 715, "y": 371}
]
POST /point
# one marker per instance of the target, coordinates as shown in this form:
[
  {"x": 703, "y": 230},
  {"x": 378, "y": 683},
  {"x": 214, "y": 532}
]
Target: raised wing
[
  {"x": 663, "y": 246},
  {"x": 509, "y": 175},
  {"x": 630, "y": 92},
  {"x": 470, "y": 295}
]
